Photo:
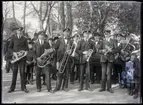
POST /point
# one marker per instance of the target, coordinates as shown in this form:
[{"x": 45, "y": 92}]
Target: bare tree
[
  {"x": 44, "y": 12},
  {"x": 24, "y": 19},
  {"x": 13, "y": 9},
  {"x": 69, "y": 23},
  {"x": 62, "y": 14}
]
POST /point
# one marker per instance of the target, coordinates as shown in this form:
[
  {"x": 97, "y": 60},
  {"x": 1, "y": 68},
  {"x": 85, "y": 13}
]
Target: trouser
[
  {"x": 137, "y": 85},
  {"x": 74, "y": 75},
  {"x": 84, "y": 70},
  {"x": 106, "y": 74},
  {"x": 117, "y": 69},
  {"x": 8, "y": 66},
  {"x": 97, "y": 70},
  {"x": 46, "y": 71},
  {"x": 62, "y": 79},
  {"x": 38, "y": 77},
  {"x": 29, "y": 71},
  {"x": 21, "y": 66},
  {"x": 46, "y": 76}
]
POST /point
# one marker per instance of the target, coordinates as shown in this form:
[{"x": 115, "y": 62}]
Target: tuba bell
[
  {"x": 19, "y": 55},
  {"x": 45, "y": 58}
]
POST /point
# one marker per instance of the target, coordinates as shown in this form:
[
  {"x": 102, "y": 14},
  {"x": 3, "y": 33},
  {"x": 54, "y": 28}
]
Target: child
[
  {"x": 29, "y": 63},
  {"x": 130, "y": 76}
]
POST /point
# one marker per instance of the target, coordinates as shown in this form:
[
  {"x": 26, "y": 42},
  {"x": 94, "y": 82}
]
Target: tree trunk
[
  {"x": 69, "y": 17},
  {"x": 91, "y": 11},
  {"x": 41, "y": 24},
  {"x": 13, "y": 9},
  {"x": 62, "y": 15},
  {"x": 24, "y": 19}
]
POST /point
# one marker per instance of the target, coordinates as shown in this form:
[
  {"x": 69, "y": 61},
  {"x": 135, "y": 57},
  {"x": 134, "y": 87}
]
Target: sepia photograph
[{"x": 71, "y": 52}]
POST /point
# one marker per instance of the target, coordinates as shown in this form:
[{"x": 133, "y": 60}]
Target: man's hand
[
  {"x": 104, "y": 50},
  {"x": 34, "y": 61},
  {"x": 69, "y": 51},
  {"x": 57, "y": 65},
  {"x": 85, "y": 52},
  {"x": 122, "y": 51}
]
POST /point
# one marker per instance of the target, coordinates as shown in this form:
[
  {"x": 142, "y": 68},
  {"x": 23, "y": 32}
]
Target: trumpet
[
  {"x": 73, "y": 54},
  {"x": 108, "y": 49},
  {"x": 90, "y": 51}
]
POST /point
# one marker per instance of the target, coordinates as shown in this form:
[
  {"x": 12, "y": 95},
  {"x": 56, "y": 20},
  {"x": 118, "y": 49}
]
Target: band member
[
  {"x": 137, "y": 74},
  {"x": 74, "y": 73},
  {"x": 53, "y": 62},
  {"x": 39, "y": 47},
  {"x": 107, "y": 49},
  {"x": 84, "y": 47},
  {"x": 117, "y": 64},
  {"x": 30, "y": 63},
  {"x": 124, "y": 51},
  {"x": 95, "y": 60},
  {"x": 63, "y": 48},
  {"x": 18, "y": 43},
  {"x": 7, "y": 59}
]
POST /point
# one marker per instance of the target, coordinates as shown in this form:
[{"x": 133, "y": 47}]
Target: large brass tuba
[
  {"x": 45, "y": 58},
  {"x": 19, "y": 55},
  {"x": 65, "y": 59}
]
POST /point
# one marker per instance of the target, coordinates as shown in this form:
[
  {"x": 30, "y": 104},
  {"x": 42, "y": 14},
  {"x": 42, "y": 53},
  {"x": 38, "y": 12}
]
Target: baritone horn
[{"x": 19, "y": 55}]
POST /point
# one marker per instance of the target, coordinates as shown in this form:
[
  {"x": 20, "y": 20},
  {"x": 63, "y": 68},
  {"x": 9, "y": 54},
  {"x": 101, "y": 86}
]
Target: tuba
[
  {"x": 65, "y": 60},
  {"x": 19, "y": 55},
  {"x": 45, "y": 58}
]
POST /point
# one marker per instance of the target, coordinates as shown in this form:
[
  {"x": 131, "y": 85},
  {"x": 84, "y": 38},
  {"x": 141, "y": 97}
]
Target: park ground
[{"x": 72, "y": 96}]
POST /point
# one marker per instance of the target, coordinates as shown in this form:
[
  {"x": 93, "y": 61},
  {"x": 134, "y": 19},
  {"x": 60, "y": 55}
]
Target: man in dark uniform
[
  {"x": 95, "y": 60},
  {"x": 82, "y": 50},
  {"x": 39, "y": 47},
  {"x": 6, "y": 52},
  {"x": 117, "y": 64},
  {"x": 74, "y": 73},
  {"x": 107, "y": 49},
  {"x": 63, "y": 49},
  {"x": 124, "y": 50},
  {"x": 18, "y": 43}
]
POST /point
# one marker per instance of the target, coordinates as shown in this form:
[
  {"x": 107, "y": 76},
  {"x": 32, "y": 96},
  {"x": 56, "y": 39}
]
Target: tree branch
[
  {"x": 48, "y": 18},
  {"x": 34, "y": 8},
  {"x": 46, "y": 12},
  {"x": 40, "y": 9}
]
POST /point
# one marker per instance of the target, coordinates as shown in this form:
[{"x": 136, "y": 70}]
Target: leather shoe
[
  {"x": 80, "y": 89},
  {"x": 72, "y": 82},
  {"x": 50, "y": 91},
  {"x": 26, "y": 91},
  {"x": 65, "y": 89},
  {"x": 135, "y": 96},
  {"x": 100, "y": 90},
  {"x": 38, "y": 90},
  {"x": 10, "y": 91},
  {"x": 44, "y": 83},
  {"x": 89, "y": 89},
  {"x": 92, "y": 82},
  {"x": 54, "y": 90},
  {"x": 110, "y": 90}
]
